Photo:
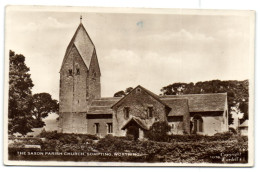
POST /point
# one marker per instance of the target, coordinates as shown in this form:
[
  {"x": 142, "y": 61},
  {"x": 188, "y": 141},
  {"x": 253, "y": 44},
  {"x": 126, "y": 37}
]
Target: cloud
[
  {"x": 181, "y": 35},
  {"x": 43, "y": 24},
  {"x": 125, "y": 68},
  {"x": 155, "y": 55}
]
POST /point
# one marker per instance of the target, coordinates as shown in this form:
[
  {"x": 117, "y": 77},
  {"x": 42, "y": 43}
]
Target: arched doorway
[
  {"x": 133, "y": 131},
  {"x": 197, "y": 124}
]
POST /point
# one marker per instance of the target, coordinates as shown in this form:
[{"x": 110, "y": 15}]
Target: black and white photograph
[{"x": 89, "y": 86}]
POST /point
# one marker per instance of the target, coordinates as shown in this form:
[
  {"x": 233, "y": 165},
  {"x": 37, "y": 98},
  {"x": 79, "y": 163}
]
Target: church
[{"x": 83, "y": 110}]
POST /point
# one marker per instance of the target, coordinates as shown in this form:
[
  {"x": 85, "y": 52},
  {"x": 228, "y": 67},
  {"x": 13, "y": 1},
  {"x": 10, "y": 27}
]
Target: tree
[
  {"x": 119, "y": 94},
  {"x": 237, "y": 92},
  {"x": 123, "y": 93},
  {"x": 20, "y": 96},
  {"x": 43, "y": 104}
]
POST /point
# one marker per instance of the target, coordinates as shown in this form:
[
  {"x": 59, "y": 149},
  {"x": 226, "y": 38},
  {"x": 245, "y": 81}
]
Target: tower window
[
  {"x": 109, "y": 128},
  {"x": 97, "y": 127},
  {"x": 126, "y": 112},
  {"x": 77, "y": 71},
  {"x": 70, "y": 72},
  {"x": 150, "y": 112}
]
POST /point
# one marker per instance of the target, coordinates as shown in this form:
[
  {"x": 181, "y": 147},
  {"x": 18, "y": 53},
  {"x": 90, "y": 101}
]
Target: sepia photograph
[{"x": 89, "y": 86}]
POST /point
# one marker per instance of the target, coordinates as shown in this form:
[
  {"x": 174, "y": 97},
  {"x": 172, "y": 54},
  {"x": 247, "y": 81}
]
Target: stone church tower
[{"x": 79, "y": 81}]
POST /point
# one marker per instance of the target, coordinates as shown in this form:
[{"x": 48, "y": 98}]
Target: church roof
[
  {"x": 83, "y": 44},
  {"x": 156, "y": 97},
  {"x": 141, "y": 123},
  {"x": 103, "y": 105},
  {"x": 179, "y": 107},
  {"x": 179, "y": 104},
  {"x": 244, "y": 124},
  {"x": 200, "y": 102}
]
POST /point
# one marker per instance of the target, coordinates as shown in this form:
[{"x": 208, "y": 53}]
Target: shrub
[
  {"x": 158, "y": 131},
  {"x": 198, "y": 138},
  {"x": 223, "y": 136},
  {"x": 68, "y": 138},
  {"x": 232, "y": 130}
]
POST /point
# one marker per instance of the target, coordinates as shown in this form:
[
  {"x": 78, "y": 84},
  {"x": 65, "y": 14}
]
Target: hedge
[{"x": 187, "y": 149}]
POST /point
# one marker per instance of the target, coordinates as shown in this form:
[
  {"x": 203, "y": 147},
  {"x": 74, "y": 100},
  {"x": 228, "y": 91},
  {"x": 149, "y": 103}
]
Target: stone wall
[
  {"x": 176, "y": 123},
  {"x": 138, "y": 102},
  {"x": 103, "y": 127},
  {"x": 213, "y": 122},
  {"x": 73, "y": 88},
  {"x": 73, "y": 122},
  {"x": 93, "y": 80}
]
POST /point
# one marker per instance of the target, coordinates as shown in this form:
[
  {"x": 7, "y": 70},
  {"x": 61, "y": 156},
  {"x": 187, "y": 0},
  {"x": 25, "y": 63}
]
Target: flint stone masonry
[{"x": 138, "y": 102}]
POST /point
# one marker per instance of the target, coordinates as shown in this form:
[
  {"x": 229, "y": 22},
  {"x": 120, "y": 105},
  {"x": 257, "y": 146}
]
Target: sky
[{"x": 148, "y": 49}]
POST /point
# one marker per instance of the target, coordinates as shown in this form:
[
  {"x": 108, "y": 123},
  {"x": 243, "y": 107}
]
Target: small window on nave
[
  {"x": 150, "y": 111},
  {"x": 77, "y": 71},
  {"x": 126, "y": 112},
  {"x": 70, "y": 72}
]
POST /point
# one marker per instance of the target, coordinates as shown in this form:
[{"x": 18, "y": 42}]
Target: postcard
[{"x": 89, "y": 86}]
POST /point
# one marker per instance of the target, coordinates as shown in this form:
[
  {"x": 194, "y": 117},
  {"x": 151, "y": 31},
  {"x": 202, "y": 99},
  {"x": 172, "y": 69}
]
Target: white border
[{"x": 209, "y": 4}]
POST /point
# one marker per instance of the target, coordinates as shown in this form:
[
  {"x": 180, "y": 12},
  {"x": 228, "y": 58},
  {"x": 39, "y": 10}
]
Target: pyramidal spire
[{"x": 83, "y": 44}]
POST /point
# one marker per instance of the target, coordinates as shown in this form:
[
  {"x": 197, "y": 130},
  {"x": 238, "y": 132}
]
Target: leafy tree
[
  {"x": 43, "y": 104},
  {"x": 25, "y": 111},
  {"x": 20, "y": 96},
  {"x": 237, "y": 92},
  {"x": 123, "y": 93},
  {"x": 128, "y": 90},
  {"x": 119, "y": 94},
  {"x": 158, "y": 131}
]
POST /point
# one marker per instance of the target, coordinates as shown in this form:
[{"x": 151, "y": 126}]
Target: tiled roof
[
  {"x": 179, "y": 107},
  {"x": 84, "y": 45},
  {"x": 103, "y": 105},
  {"x": 179, "y": 104},
  {"x": 244, "y": 124},
  {"x": 200, "y": 102}
]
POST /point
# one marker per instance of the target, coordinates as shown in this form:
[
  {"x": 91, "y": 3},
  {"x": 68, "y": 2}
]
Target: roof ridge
[
  {"x": 153, "y": 95},
  {"x": 98, "y": 106},
  {"x": 156, "y": 97},
  {"x": 195, "y": 94},
  {"x": 173, "y": 98}
]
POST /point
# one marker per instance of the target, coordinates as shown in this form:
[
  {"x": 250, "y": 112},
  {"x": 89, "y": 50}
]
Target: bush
[
  {"x": 198, "y": 138},
  {"x": 67, "y": 138},
  {"x": 158, "y": 131},
  {"x": 232, "y": 130},
  {"x": 183, "y": 149}
]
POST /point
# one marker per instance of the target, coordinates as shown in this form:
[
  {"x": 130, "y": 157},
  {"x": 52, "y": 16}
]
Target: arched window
[{"x": 197, "y": 124}]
